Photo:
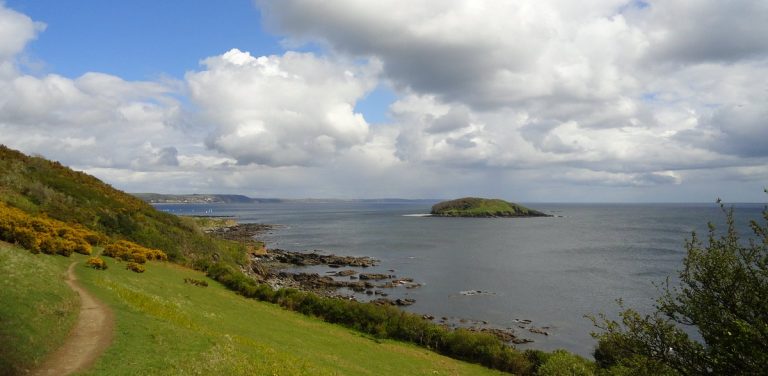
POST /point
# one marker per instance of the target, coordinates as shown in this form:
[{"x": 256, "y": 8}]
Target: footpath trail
[{"x": 90, "y": 336}]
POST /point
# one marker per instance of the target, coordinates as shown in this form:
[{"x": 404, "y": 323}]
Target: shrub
[
  {"x": 563, "y": 363},
  {"x": 26, "y": 238},
  {"x": 129, "y": 251},
  {"x": 132, "y": 266},
  {"x": 722, "y": 295},
  {"x": 96, "y": 263},
  {"x": 196, "y": 282},
  {"x": 44, "y": 234}
]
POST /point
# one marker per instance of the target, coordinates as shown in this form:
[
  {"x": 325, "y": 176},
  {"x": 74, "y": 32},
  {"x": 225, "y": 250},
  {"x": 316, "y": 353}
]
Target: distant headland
[{"x": 482, "y": 207}]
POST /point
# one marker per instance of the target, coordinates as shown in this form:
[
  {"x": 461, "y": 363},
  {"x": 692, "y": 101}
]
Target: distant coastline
[{"x": 216, "y": 198}]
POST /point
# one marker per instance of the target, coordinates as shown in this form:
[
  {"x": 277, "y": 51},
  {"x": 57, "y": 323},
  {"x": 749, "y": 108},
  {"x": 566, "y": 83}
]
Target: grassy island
[{"x": 482, "y": 207}]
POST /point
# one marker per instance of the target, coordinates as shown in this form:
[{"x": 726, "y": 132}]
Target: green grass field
[
  {"x": 37, "y": 308},
  {"x": 165, "y": 326}
]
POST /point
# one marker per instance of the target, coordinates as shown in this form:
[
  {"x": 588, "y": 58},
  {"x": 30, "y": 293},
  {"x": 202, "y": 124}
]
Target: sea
[{"x": 547, "y": 274}]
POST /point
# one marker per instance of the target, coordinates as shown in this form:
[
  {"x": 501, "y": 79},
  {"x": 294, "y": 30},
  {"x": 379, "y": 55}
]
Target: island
[{"x": 482, "y": 207}]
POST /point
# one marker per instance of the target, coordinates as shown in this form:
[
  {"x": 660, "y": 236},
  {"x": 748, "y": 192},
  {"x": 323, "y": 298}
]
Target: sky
[{"x": 530, "y": 101}]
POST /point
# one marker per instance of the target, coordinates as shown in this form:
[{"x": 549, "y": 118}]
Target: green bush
[
  {"x": 132, "y": 266},
  {"x": 722, "y": 295},
  {"x": 196, "y": 282},
  {"x": 563, "y": 363}
]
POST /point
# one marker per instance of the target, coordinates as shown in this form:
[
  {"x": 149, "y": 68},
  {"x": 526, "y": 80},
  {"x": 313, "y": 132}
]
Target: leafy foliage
[
  {"x": 561, "y": 362},
  {"x": 722, "y": 294}
]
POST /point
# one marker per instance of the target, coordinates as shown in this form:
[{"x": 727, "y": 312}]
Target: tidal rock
[
  {"x": 314, "y": 258},
  {"x": 374, "y": 276},
  {"x": 405, "y": 302}
]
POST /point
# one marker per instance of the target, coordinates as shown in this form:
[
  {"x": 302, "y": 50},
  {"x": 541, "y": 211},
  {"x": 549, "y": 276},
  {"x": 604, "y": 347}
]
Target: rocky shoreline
[
  {"x": 270, "y": 268},
  {"x": 277, "y": 268},
  {"x": 243, "y": 232},
  {"x": 315, "y": 258}
]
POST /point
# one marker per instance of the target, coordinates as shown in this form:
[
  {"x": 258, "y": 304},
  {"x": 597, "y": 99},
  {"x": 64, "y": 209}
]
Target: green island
[
  {"x": 179, "y": 301},
  {"x": 482, "y": 207}
]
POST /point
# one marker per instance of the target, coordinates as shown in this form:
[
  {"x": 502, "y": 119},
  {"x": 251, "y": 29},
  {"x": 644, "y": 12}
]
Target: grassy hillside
[
  {"x": 482, "y": 207},
  {"x": 38, "y": 186},
  {"x": 37, "y": 308},
  {"x": 168, "y": 327}
]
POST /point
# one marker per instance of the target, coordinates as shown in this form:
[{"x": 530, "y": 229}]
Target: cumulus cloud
[
  {"x": 295, "y": 109},
  {"x": 739, "y": 130},
  {"x": 530, "y": 98},
  {"x": 707, "y": 30},
  {"x": 95, "y": 120},
  {"x": 619, "y": 179},
  {"x": 480, "y": 53},
  {"x": 155, "y": 156},
  {"x": 633, "y": 90},
  {"x": 512, "y": 139},
  {"x": 16, "y": 30}
]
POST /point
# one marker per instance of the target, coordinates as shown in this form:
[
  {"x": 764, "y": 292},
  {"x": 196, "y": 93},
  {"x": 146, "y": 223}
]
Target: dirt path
[{"x": 90, "y": 336}]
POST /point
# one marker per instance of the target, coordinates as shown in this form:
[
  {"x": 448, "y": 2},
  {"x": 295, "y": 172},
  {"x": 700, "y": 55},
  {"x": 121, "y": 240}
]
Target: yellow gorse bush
[
  {"x": 43, "y": 234},
  {"x": 129, "y": 251},
  {"x": 96, "y": 263},
  {"x": 138, "y": 268}
]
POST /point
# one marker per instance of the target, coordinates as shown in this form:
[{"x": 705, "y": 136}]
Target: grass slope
[
  {"x": 168, "y": 327},
  {"x": 37, "y": 309},
  {"x": 38, "y": 186},
  {"x": 482, "y": 207}
]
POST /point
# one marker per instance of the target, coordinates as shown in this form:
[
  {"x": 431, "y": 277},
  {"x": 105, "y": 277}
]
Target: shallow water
[{"x": 552, "y": 271}]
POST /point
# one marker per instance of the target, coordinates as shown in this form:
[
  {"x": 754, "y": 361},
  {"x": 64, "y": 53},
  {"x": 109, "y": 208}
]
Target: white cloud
[
  {"x": 95, "y": 119},
  {"x": 16, "y": 30},
  {"x": 604, "y": 99},
  {"x": 295, "y": 109},
  {"x": 690, "y": 31},
  {"x": 645, "y": 90},
  {"x": 480, "y": 53}
]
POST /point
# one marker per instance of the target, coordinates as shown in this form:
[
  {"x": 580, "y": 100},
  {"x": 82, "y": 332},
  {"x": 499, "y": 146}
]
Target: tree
[{"x": 723, "y": 295}]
